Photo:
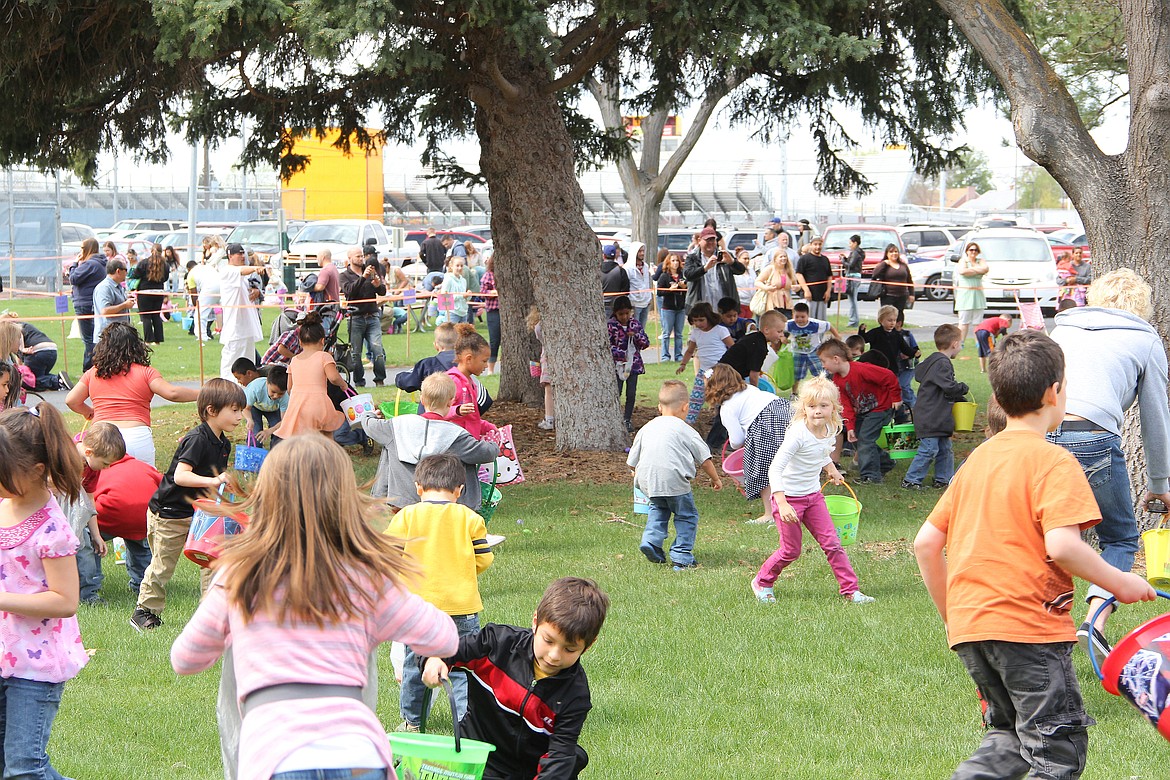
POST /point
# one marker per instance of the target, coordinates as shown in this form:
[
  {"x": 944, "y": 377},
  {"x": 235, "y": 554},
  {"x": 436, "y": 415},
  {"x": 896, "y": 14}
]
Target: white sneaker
[
  {"x": 546, "y": 424},
  {"x": 761, "y": 520},
  {"x": 861, "y": 598},
  {"x": 494, "y": 539}
]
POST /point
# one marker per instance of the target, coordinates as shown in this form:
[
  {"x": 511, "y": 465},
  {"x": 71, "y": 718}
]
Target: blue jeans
[
  {"x": 260, "y": 417},
  {"x": 686, "y": 524},
  {"x": 138, "y": 558},
  {"x": 367, "y": 329},
  {"x": 851, "y": 289},
  {"x": 872, "y": 461},
  {"x": 89, "y": 568},
  {"x": 330, "y": 774},
  {"x": 42, "y": 364},
  {"x": 347, "y": 435},
  {"x": 27, "y": 710},
  {"x": 673, "y": 323},
  {"x": 85, "y": 325},
  {"x": 936, "y": 449},
  {"x": 410, "y": 699},
  {"x": 1101, "y": 458},
  {"x": 642, "y": 314}
]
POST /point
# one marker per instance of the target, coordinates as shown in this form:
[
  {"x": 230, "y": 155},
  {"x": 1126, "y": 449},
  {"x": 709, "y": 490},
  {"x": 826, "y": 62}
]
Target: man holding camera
[
  {"x": 708, "y": 270},
  {"x": 365, "y": 291}
]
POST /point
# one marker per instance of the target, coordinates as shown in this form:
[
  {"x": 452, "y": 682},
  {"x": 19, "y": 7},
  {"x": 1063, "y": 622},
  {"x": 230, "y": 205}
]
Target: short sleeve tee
[
  {"x": 748, "y": 354},
  {"x": 331, "y": 284},
  {"x": 207, "y": 455},
  {"x": 709, "y": 345},
  {"x": 123, "y": 396},
  {"x": 257, "y": 395},
  {"x": 816, "y": 271},
  {"x": 806, "y": 338},
  {"x": 1001, "y": 584},
  {"x": 666, "y": 455}
]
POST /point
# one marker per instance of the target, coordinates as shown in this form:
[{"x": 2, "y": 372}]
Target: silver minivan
[{"x": 1021, "y": 267}]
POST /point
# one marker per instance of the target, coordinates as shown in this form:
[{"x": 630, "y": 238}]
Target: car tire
[{"x": 936, "y": 293}]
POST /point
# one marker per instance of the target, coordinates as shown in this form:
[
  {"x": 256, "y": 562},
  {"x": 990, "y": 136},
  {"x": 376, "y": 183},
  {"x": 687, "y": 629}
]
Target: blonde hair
[
  {"x": 445, "y": 336},
  {"x": 673, "y": 394},
  {"x": 818, "y": 388},
  {"x": 9, "y": 339},
  {"x": 533, "y": 318},
  {"x": 311, "y": 552},
  {"x": 105, "y": 440},
  {"x": 886, "y": 311},
  {"x": 723, "y": 383},
  {"x": 1125, "y": 290},
  {"x": 437, "y": 392},
  {"x": 771, "y": 316}
]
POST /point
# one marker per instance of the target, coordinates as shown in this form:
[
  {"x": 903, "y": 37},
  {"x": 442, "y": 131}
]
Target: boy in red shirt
[
  {"x": 121, "y": 487},
  {"x": 986, "y": 333},
  {"x": 869, "y": 396},
  {"x": 1010, "y": 526}
]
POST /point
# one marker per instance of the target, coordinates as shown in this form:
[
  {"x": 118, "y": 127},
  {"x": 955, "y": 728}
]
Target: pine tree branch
[{"x": 601, "y": 47}]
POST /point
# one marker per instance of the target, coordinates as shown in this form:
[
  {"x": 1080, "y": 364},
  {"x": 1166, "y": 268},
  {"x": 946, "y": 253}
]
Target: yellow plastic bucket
[
  {"x": 964, "y": 414},
  {"x": 1157, "y": 545},
  {"x": 845, "y": 512}
]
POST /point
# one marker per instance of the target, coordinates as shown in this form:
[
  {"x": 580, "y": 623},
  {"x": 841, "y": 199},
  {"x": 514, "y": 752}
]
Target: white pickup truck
[{"x": 338, "y": 235}]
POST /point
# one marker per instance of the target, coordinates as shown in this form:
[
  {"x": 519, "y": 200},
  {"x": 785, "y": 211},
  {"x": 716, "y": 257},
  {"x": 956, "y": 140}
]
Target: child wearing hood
[{"x": 641, "y": 284}]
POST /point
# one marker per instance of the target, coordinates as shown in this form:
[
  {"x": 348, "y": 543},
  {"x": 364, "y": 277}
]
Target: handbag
[
  {"x": 625, "y": 368},
  {"x": 874, "y": 291},
  {"x": 759, "y": 302},
  {"x": 507, "y": 465}
]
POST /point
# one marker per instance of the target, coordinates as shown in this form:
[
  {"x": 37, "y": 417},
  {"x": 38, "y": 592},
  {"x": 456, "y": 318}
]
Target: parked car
[
  {"x": 122, "y": 227},
  {"x": 72, "y": 235},
  {"x": 1021, "y": 267},
  {"x": 928, "y": 238},
  {"x": 874, "y": 240},
  {"x": 677, "y": 240},
  {"x": 264, "y": 239},
  {"x": 483, "y": 231},
  {"x": 1068, "y": 241},
  {"x": 337, "y": 235}
]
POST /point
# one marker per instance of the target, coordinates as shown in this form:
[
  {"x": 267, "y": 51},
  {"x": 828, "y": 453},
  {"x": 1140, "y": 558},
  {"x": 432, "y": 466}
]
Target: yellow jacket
[{"x": 449, "y": 541}]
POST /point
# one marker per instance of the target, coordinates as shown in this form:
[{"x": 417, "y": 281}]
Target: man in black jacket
[
  {"x": 362, "y": 282},
  {"x": 709, "y": 271},
  {"x": 614, "y": 278},
  {"x": 432, "y": 252}
]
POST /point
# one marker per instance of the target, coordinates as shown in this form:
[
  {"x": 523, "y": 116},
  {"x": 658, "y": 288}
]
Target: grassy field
[{"x": 691, "y": 676}]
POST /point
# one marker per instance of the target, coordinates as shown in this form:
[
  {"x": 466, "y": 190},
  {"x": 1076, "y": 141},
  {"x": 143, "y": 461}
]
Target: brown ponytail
[
  {"x": 37, "y": 435},
  {"x": 468, "y": 339}
]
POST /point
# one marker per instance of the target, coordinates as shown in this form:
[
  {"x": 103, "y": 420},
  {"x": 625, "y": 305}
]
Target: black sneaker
[
  {"x": 908, "y": 485},
  {"x": 144, "y": 620},
  {"x": 629, "y": 426},
  {"x": 940, "y": 485},
  {"x": 652, "y": 553},
  {"x": 64, "y": 382},
  {"x": 1088, "y": 634},
  {"x": 368, "y": 447}
]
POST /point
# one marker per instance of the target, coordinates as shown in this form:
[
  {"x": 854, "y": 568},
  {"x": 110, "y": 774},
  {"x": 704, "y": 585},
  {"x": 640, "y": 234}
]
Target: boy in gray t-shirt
[{"x": 666, "y": 455}]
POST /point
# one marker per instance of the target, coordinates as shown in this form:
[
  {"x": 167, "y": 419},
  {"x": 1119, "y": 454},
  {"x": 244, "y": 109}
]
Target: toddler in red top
[
  {"x": 869, "y": 396},
  {"x": 121, "y": 487}
]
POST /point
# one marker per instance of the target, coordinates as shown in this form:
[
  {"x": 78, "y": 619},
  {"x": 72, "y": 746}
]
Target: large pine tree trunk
[
  {"x": 538, "y": 224},
  {"x": 645, "y": 211},
  {"x": 1123, "y": 200}
]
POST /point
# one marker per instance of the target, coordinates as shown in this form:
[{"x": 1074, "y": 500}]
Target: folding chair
[{"x": 1031, "y": 314}]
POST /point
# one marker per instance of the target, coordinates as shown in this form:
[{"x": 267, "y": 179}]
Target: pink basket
[{"x": 733, "y": 466}]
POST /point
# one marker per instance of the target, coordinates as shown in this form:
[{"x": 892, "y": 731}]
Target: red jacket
[
  {"x": 121, "y": 494},
  {"x": 867, "y": 388}
]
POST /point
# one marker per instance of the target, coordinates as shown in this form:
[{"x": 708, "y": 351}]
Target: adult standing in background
[
  {"x": 121, "y": 385},
  {"x": 491, "y": 307},
  {"x": 87, "y": 273},
  {"x": 672, "y": 302},
  {"x": 969, "y": 298},
  {"x": 894, "y": 275},
  {"x": 709, "y": 271},
  {"x": 364, "y": 289},
  {"x": 614, "y": 278},
  {"x": 641, "y": 282},
  {"x": 1114, "y": 358},
  {"x": 433, "y": 253},
  {"x": 152, "y": 276},
  {"x": 852, "y": 265},
  {"x": 111, "y": 302},
  {"x": 804, "y": 235},
  {"x": 813, "y": 273},
  {"x": 241, "y": 320},
  {"x": 328, "y": 287}
]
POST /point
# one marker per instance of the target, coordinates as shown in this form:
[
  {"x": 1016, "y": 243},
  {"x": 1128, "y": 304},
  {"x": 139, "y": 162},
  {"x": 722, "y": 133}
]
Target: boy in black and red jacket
[
  {"x": 527, "y": 693},
  {"x": 869, "y": 396}
]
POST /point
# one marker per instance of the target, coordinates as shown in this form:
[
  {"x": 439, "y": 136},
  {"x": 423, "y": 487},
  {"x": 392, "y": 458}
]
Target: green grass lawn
[{"x": 690, "y": 678}]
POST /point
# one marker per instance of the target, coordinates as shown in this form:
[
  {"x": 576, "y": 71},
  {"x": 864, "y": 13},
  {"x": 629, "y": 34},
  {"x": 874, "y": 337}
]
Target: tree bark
[
  {"x": 527, "y": 159},
  {"x": 1123, "y": 200}
]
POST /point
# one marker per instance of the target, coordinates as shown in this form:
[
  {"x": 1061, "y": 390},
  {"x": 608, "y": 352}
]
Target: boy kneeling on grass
[
  {"x": 1010, "y": 525},
  {"x": 529, "y": 695}
]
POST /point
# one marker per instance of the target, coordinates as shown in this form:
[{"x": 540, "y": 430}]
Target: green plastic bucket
[
  {"x": 421, "y": 756},
  {"x": 490, "y": 499},
  {"x": 845, "y": 512},
  {"x": 899, "y": 441},
  {"x": 438, "y": 757}
]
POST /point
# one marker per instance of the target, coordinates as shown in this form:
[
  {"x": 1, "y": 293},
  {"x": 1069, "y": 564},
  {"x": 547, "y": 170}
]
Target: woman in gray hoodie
[{"x": 1114, "y": 358}]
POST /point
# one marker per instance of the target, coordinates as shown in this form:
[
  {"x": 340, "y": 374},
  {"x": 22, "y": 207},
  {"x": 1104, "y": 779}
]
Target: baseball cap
[
  {"x": 235, "y": 249},
  {"x": 609, "y": 251},
  {"x": 707, "y": 232},
  {"x": 776, "y": 220}
]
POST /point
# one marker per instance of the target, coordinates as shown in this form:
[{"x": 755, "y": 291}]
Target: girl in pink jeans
[{"x": 795, "y": 479}]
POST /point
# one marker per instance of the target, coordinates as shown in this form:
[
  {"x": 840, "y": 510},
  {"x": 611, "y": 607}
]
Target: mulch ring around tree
[{"x": 541, "y": 461}]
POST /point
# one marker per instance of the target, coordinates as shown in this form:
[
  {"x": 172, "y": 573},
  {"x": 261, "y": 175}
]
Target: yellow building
[{"x": 334, "y": 185}]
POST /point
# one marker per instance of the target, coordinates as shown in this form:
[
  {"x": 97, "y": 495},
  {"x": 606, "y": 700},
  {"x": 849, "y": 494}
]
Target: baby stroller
[{"x": 339, "y": 348}]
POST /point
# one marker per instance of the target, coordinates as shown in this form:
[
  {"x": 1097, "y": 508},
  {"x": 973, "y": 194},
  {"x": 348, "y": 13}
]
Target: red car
[{"x": 874, "y": 240}]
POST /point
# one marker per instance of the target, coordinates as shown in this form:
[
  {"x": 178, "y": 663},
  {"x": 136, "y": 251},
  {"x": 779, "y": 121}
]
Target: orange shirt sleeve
[{"x": 1063, "y": 497}]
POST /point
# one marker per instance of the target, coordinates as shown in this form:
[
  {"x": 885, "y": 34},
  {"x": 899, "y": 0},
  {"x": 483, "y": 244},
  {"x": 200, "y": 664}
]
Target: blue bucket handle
[{"x": 1093, "y": 621}]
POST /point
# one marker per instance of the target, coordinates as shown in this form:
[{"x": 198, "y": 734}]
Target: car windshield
[
  {"x": 329, "y": 234},
  {"x": 1006, "y": 249},
  {"x": 871, "y": 240},
  {"x": 265, "y": 235}
]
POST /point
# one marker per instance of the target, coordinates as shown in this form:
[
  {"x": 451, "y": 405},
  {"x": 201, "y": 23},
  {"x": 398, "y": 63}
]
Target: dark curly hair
[{"x": 120, "y": 347}]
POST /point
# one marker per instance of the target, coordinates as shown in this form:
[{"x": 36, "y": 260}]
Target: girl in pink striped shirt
[{"x": 303, "y": 598}]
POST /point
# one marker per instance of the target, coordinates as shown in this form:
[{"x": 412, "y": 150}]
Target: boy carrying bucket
[
  {"x": 1010, "y": 525},
  {"x": 531, "y": 696},
  {"x": 934, "y": 421}
]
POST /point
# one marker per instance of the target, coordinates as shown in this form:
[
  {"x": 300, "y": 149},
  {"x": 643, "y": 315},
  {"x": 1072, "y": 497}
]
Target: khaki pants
[{"x": 167, "y": 537}]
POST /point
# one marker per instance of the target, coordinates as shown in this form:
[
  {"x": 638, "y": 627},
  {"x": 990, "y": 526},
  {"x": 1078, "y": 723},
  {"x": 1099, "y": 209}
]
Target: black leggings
[
  {"x": 631, "y": 394},
  {"x": 149, "y": 306}
]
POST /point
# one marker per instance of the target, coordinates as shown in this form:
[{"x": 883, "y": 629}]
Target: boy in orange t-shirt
[{"x": 1011, "y": 524}]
